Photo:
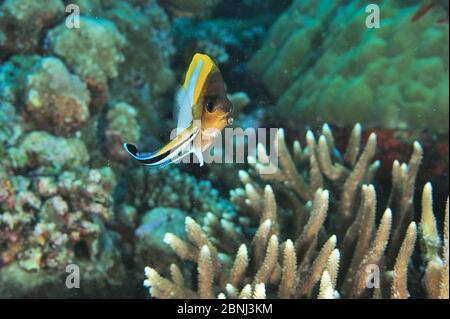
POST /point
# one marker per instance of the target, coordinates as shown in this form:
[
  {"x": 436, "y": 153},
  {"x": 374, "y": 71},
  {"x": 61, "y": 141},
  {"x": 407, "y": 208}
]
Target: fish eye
[{"x": 210, "y": 106}]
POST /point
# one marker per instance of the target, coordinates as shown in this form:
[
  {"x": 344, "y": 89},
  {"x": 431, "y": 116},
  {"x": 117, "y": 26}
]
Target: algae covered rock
[
  {"x": 97, "y": 276},
  {"x": 122, "y": 126},
  {"x": 56, "y": 100},
  {"x": 191, "y": 7},
  {"x": 40, "y": 149},
  {"x": 149, "y": 236},
  {"x": 321, "y": 69},
  {"x": 22, "y": 23},
  {"x": 88, "y": 7},
  {"x": 93, "y": 52},
  {"x": 51, "y": 221},
  {"x": 148, "y": 50},
  {"x": 173, "y": 188},
  {"x": 10, "y": 125},
  {"x": 13, "y": 74}
]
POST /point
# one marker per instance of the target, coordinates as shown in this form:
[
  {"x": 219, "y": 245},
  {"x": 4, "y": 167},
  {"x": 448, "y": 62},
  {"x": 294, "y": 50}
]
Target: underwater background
[{"x": 362, "y": 180}]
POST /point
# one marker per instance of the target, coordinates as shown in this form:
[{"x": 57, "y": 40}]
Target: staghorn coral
[
  {"x": 262, "y": 253},
  {"x": 22, "y": 23},
  {"x": 56, "y": 101},
  {"x": 436, "y": 274},
  {"x": 56, "y": 195},
  {"x": 321, "y": 69}
]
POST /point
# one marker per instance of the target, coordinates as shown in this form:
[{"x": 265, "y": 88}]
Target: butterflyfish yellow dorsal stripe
[{"x": 200, "y": 76}]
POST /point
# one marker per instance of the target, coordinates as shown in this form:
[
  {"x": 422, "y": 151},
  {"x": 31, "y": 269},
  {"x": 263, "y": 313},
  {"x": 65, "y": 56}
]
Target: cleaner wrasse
[{"x": 202, "y": 110}]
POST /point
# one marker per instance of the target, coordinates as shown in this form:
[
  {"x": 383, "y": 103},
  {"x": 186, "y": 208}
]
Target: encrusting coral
[
  {"x": 323, "y": 242},
  {"x": 323, "y": 70},
  {"x": 147, "y": 29},
  {"x": 53, "y": 211},
  {"x": 149, "y": 237}
]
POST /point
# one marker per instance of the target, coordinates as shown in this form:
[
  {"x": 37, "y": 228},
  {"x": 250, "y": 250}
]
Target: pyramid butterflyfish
[{"x": 202, "y": 111}]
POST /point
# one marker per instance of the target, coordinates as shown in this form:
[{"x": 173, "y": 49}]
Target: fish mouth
[{"x": 228, "y": 118}]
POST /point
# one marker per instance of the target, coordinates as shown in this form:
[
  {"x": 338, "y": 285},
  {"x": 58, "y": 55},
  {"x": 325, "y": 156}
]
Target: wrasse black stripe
[
  {"x": 132, "y": 149},
  {"x": 148, "y": 160}
]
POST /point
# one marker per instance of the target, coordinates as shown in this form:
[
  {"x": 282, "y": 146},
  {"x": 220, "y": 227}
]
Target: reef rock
[
  {"x": 122, "y": 127},
  {"x": 56, "y": 101},
  {"x": 22, "y": 23},
  {"x": 147, "y": 55},
  {"x": 49, "y": 222},
  {"x": 10, "y": 125},
  {"x": 149, "y": 236},
  {"x": 172, "y": 188},
  {"x": 92, "y": 51},
  {"x": 190, "y": 7},
  {"x": 40, "y": 149}
]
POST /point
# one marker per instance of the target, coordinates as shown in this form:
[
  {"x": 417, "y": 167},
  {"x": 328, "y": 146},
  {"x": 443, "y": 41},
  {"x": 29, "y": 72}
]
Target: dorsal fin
[{"x": 188, "y": 95}]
